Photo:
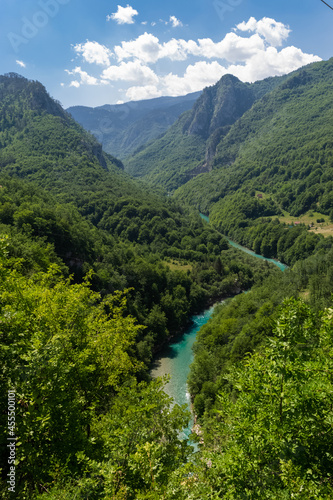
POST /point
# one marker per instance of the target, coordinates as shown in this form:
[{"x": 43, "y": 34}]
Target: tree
[
  {"x": 274, "y": 433},
  {"x": 65, "y": 353}
]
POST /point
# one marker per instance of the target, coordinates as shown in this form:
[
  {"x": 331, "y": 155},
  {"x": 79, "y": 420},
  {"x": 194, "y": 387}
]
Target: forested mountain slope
[
  {"x": 189, "y": 146},
  {"x": 91, "y": 215},
  {"x": 123, "y": 128},
  {"x": 282, "y": 150},
  {"x": 96, "y": 273},
  {"x": 282, "y": 144}
]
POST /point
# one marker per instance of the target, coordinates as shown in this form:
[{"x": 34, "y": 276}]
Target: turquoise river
[{"x": 176, "y": 358}]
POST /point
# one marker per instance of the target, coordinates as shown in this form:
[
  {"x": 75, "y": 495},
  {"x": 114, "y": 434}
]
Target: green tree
[{"x": 274, "y": 432}]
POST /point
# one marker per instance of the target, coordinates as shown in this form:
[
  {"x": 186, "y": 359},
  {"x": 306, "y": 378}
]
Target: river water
[
  {"x": 176, "y": 358},
  {"x": 281, "y": 266}
]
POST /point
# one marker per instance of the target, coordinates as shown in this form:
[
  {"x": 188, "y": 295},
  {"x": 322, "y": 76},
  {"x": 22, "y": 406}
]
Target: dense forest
[
  {"x": 255, "y": 157},
  {"x": 99, "y": 271}
]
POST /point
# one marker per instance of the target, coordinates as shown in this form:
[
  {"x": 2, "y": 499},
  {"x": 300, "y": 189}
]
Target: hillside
[
  {"x": 123, "y": 128},
  {"x": 41, "y": 142},
  {"x": 98, "y": 272},
  {"x": 281, "y": 150},
  {"x": 188, "y": 147},
  {"x": 59, "y": 188},
  {"x": 279, "y": 143}
]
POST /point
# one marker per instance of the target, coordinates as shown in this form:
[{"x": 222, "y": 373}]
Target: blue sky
[{"x": 95, "y": 52}]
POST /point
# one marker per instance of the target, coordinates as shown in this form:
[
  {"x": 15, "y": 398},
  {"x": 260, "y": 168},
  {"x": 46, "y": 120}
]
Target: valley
[{"x": 104, "y": 261}]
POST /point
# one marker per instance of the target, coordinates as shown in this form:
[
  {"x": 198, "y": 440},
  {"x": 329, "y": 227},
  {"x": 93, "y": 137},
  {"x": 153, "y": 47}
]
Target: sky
[{"x": 99, "y": 52}]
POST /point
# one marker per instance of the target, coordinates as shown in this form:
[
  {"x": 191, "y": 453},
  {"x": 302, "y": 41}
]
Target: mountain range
[
  {"x": 100, "y": 269},
  {"x": 61, "y": 193},
  {"x": 124, "y": 128},
  {"x": 273, "y": 136}
]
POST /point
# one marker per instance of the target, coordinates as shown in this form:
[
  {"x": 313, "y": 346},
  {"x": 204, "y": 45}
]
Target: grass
[
  {"x": 310, "y": 220},
  {"x": 304, "y": 294},
  {"x": 176, "y": 265}
]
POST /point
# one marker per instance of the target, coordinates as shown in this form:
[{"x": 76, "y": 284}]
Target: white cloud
[
  {"x": 94, "y": 52},
  {"x": 124, "y": 15},
  {"x": 85, "y": 78},
  {"x": 143, "y": 92},
  {"x": 265, "y": 63},
  {"x": 250, "y": 57},
  {"x": 147, "y": 48},
  {"x": 196, "y": 77},
  {"x": 132, "y": 71},
  {"x": 232, "y": 48},
  {"x": 273, "y": 32},
  {"x": 175, "y": 22},
  {"x": 271, "y": 62},
  {"x": 21, "y": 63}
]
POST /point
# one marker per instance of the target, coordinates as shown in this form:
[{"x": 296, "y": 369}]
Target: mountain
[
  {"x": 64, "y": 197},
  {"x": 188, "y": 147},
  {"x": 282, "y": 145},
  {"x": 39, "y": 141},
  {"x": 271, "y": 139},
  {"x": 123, "y": 128},
  {"x": 98, "y": 271}
]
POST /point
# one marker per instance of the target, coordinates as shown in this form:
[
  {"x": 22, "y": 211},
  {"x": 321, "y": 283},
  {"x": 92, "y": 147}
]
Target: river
[
  {"x": 281, "y": 266},
  {"x": 176, "y": 358}
]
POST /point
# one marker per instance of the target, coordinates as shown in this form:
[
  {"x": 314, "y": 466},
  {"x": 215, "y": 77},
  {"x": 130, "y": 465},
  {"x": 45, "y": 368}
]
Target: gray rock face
[{"x": 219, "y": 106}]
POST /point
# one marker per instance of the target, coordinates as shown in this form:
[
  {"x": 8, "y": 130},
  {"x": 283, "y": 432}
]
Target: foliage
[
  {"x": 90, "y": 288},
  {"x": 94, "y": 217},
  {"x": 65, "y": 353},
  {"x": 243, "y": 218},
  {"x": 274, "y": 429}
]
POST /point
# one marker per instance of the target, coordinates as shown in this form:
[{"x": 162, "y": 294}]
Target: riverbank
[
  {"x": 246, "y": 250},
  {"x": 177, "y": 336},
  {"x": 175, "y": 360}
]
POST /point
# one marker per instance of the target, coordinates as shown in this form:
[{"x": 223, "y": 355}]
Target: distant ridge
[
  {"x": 123, "y": 128},
  {"x": 188, "y": 147}
]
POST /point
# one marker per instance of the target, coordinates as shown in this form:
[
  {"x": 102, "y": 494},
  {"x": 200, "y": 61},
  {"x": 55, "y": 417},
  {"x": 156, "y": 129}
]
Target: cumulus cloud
[
  {"x": 124, "y": 15},
  {"x": 271, "y": 62},
  {"x": 251, "y": 54},
  {"x": 148, "y": 49},
  {"x": 232, "y": 48},
  {"x": 21, "y": 63},
  {"x": 175, "y": 22},
  {"x": 85, "y": 78},
  {"x": 132, "y": 71},
  {"x": 275, "y": 33},
  {"x": 94, "y": 52},
  {"x": 139, "y": 93},
  {"x": 196, "y": 77}
]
